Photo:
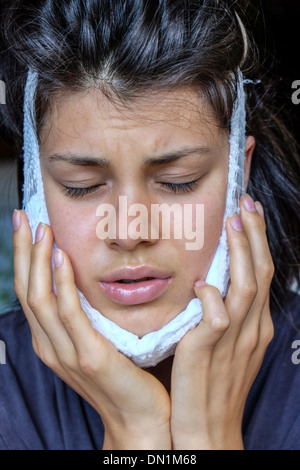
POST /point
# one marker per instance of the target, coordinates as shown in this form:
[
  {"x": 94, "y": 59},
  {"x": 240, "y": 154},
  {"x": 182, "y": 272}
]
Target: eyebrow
[
  {"x": 176, "y": 155},
  {"x": 100, "y": 162},
  {"x": 78, "y": 160}
]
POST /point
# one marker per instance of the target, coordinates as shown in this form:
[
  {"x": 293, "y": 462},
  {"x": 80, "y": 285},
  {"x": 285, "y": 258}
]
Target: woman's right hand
[{"x": 134, "y": 406}]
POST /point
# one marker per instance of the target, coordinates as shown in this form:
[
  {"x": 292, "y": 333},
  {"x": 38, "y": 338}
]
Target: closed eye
[
  {"x": 80, "y": 192},
  {"x": 180, "y": 187},
  {"x": 186, "y": 187}
]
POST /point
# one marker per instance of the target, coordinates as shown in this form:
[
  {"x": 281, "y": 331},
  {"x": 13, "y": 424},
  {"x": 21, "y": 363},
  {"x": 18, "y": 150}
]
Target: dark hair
[{"x": 130, "y": 47}]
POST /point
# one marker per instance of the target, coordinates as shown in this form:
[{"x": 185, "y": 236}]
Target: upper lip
[{"x": 132, "y": 273}]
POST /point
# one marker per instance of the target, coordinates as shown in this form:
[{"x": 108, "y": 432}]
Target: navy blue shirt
[{"x": 39, "y": 411}]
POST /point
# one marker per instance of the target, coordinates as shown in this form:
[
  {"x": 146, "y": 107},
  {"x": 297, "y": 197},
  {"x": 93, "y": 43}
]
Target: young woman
[{"x": 135, "y": 98}]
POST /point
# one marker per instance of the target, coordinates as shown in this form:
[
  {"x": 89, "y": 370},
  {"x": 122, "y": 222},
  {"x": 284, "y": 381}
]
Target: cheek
[
  {"x": 74, "y": 230},
  {"x": 197, "y": 261},
  {"x": 76, "y": 235},
  {"x": 214, "y": 214},
  {"x": 205, "y": 217}
]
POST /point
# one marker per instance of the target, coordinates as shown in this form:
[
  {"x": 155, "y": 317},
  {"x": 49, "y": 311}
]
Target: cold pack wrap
[{"x": 157, "y": 345}]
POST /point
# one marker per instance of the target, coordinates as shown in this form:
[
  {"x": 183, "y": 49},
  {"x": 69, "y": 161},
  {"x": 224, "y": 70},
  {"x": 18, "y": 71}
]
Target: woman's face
[{"x": 165, "y": 149}]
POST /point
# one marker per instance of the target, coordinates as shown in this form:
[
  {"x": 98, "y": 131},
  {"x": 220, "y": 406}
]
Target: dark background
[
  {"x": 277, "y": 32},
  {"x": 282, "y": 18}
]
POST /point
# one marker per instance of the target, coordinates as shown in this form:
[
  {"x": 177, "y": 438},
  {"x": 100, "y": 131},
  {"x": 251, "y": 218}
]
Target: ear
[{"x": 249, "y": 149}]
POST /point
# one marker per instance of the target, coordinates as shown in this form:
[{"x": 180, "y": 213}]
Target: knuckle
[
  {"x": 249, "y": 289},
  {"x": 268, "y": 333},
  {"x": 242, "y": 242},
  {"x": 258, "y": 223},
  {"x": 68, "y": 363},
  {"x": 87, "y": 366},
  {"x": 59, "y": 280},
  {"x": 65, "y": 316},
  {"x": 251, "y": 341},
  {"x": 209, "y": 292},
  {"x": 17, "y": 247},
  {"x": 36, "y": 300},
  {"x": 44, "y": 355},
  {"x": 268, "y": 271},
  {"x": 19, "y": 288},
  {"x": 220, "y": 324},
  {"x": 33, "y": 301}
]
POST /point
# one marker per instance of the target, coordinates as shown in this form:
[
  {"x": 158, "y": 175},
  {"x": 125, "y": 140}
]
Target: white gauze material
[{"x": 157, "y": 345}]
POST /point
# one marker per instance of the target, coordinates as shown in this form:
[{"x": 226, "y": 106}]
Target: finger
[
  {"x": 22, "y": 246},
  {"x": 254, "y": 341},
  {"x": 40, "y": 273},
  {"x": 215, "y": 320},
  {"x": 266, "y": 325},
  {"x": 243, "y": 286},
  {"x": 258, "y": 269},
  {"x": 255, "y": 229},
  {"x": 41, "y": 298},
  {"x": 70, "y": 312}
]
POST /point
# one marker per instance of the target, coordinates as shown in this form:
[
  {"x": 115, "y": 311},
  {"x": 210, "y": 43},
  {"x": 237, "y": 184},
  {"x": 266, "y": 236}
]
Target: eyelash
[
  {"x": 80, "y": 192},
  {"x": 174, "y": 187},
  {"x": 181, "y": 187}
]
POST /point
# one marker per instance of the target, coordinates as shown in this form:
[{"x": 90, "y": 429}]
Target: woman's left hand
[{"x": 216, "y": 363}]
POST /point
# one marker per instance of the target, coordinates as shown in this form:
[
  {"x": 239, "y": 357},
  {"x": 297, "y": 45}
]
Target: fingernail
[
  {"x": 57, "y": 258},
  {"x": 199, "y": 283},
  {"x": 260, "y": 209},
  {"x": 248, "y": 203},
  {"x": 16, "y": 220},
  {"x": 236, "y": 223},
  {"x": 39, "y": 232}
]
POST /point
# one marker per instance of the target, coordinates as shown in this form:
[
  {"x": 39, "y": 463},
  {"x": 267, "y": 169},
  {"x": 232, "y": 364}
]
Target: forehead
[{"x": 162, "y": 115}]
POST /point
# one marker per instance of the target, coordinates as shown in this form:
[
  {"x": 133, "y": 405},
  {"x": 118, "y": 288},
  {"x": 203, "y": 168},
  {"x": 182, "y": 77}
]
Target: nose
[{"x": 127, "y": 225}]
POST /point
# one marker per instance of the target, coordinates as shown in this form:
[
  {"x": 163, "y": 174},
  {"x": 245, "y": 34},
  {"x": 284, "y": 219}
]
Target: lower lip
[{"x": 135, "y": 293}]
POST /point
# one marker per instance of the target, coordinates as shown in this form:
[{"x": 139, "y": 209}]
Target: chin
[
  {"x": 139, "y": 319},
  {"x": 143, "y": 319}
]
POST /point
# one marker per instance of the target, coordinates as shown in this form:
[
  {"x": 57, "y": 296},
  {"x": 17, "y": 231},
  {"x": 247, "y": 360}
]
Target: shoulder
[
  {"x": 272, "y": 413},
  {"x": 38, "y": 410},
  {"x": 14, "y": 327},
  {"x": 16, "y": 376},
  {"x": 15, "y": 336}
]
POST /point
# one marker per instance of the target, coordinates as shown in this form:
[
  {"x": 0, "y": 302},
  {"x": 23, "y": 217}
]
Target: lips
[
  {"x": 131, "y": 281},
  {"x": 133, "y": 286}
]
